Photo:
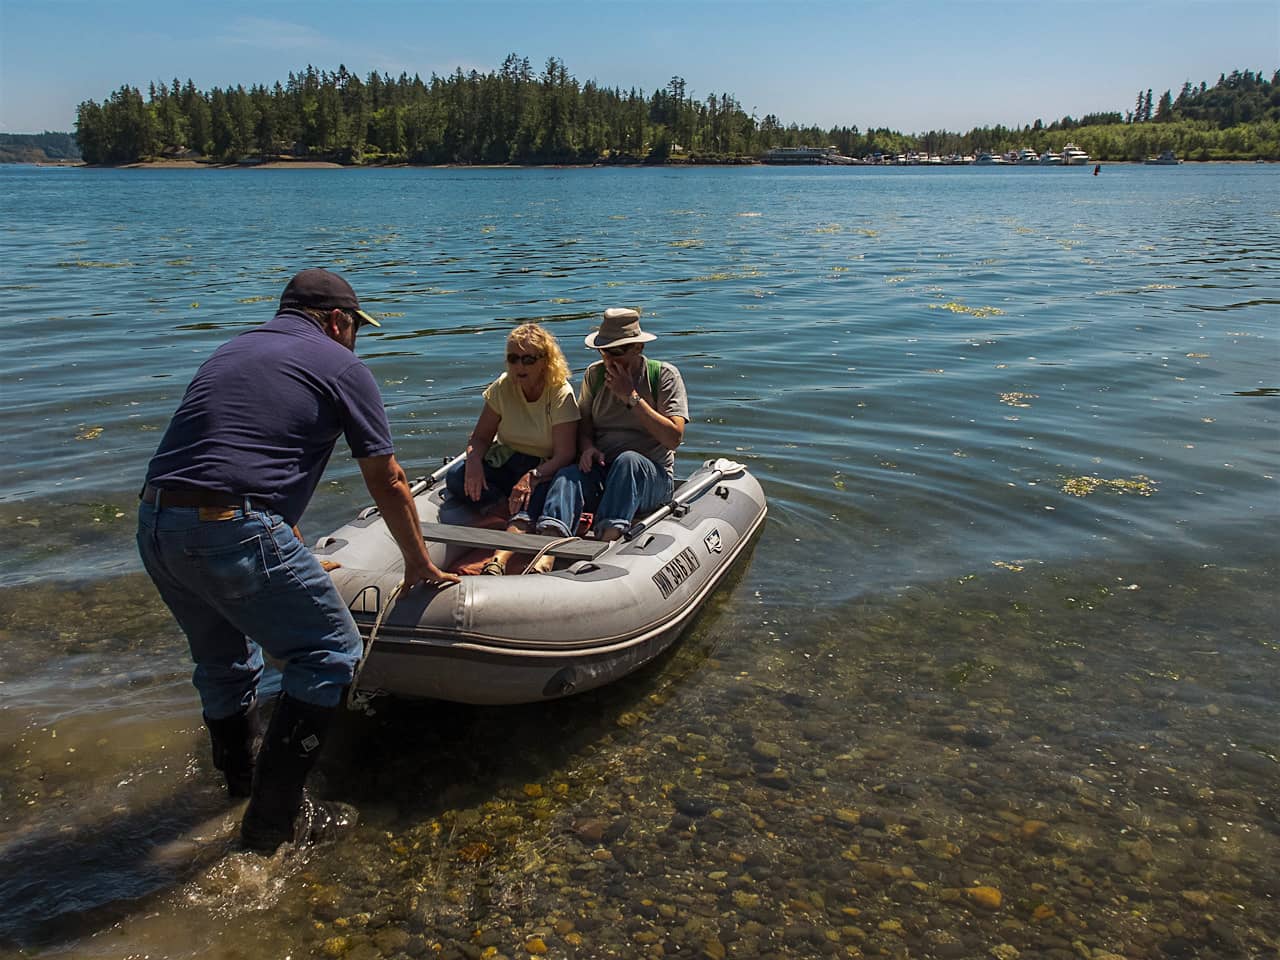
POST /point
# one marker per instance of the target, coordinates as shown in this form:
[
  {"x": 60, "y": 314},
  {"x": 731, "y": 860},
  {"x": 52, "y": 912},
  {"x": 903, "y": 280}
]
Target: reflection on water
[{"x": 996, "y": 681}]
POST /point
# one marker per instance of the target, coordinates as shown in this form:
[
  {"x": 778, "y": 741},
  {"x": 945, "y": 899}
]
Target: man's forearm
[
  {"x": 400, "y": 514},
  {"x": 665, "y": 430}
]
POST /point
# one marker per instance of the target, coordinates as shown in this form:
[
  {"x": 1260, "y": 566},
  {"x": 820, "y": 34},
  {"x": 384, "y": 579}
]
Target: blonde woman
[{"x": 527, "y": 430}]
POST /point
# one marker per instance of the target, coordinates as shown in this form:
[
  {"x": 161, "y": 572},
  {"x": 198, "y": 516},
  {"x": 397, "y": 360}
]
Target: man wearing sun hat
[
  {"x": 217, "y": 532},
  {"x": 633, "y": 414}
]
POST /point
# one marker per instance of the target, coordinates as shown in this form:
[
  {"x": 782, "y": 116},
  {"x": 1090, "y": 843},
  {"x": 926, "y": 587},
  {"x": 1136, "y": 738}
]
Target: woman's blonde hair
[{"x": 539, "y": 340}]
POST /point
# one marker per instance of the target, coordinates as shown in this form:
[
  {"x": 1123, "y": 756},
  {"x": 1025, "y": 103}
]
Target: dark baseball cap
[{"x": 322, "y": 290}]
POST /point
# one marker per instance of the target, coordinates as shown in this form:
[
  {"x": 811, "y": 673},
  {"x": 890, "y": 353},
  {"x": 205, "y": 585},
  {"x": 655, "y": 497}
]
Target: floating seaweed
[{"x": 1142, "y": 485}]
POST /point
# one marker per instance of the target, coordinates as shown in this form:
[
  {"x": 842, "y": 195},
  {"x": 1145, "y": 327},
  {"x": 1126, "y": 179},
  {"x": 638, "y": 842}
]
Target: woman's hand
[
  {"x": 521, "y": 492},
  {"x": 473, "y": 480}
]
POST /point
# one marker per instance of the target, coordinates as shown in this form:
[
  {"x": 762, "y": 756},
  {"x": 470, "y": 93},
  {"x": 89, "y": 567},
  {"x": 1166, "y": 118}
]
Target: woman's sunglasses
[{"x": 528, "y": 359}]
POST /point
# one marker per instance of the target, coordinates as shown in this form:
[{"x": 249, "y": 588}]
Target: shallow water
[{"x": 1010, "y": 625}]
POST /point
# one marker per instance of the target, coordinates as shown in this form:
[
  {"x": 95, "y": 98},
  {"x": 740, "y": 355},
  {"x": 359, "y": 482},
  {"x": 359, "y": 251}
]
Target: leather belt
[{"x": 190, "y": 497}]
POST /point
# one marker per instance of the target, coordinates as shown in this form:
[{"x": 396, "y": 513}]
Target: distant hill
[{"x": 38, "y": 147}]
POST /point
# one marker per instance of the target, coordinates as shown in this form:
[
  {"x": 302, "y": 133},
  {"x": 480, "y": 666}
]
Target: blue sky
[{"x": 910, "y": 66}]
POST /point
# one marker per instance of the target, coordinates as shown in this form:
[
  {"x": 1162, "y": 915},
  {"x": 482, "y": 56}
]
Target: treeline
[
  {"x": 513, "y": 115},
  {"x": 1236, "y": 119},
  {"x": 518, "y": 115},
  {"x": 37, "y": 147}
]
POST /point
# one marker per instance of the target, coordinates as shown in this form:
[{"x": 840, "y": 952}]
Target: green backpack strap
[{"x": 653, "y": 369}]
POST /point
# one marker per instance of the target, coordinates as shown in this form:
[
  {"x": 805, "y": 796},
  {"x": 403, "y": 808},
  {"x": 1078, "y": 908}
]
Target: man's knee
[{"x": 629, "y": 463}]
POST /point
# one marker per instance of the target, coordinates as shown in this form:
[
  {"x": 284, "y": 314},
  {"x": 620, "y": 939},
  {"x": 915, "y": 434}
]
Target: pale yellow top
[{"x": 526, "y": 426}]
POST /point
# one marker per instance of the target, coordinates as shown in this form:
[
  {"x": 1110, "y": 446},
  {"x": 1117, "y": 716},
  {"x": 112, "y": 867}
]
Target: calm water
[{"x": 1010, "y": 626}]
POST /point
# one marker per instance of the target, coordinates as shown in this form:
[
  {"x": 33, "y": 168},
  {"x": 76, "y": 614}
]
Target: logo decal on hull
[
  {"x": 712, "y": 540},
  {"x": 676, "y": 572}
]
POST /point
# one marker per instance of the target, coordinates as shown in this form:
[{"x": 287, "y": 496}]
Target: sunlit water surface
[{"x": 998, "y": 676}]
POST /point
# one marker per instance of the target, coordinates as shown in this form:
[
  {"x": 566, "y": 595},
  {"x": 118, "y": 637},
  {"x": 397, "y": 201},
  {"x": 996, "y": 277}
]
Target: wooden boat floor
[{"x": 480, "y": 537}]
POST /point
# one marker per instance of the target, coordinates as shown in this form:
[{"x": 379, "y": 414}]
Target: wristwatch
[
  {"x": 633, "y": 400},
  {"x": 536, "y": 475}
]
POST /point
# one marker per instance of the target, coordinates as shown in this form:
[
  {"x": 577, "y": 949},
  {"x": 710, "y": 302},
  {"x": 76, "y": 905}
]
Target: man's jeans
[
  {"x": 498, "y": 482},
  {"x": 633, "y": 484},
  {"x": 241, "y": 586}
]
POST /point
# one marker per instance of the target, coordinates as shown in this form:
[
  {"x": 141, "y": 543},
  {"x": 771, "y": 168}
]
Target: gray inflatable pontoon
[{"x": 605, "y": 610}]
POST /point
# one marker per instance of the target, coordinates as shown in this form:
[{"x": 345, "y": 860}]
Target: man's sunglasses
[
  {"x": 527, "y": 359},
  {"x": 617, "y": 351}
]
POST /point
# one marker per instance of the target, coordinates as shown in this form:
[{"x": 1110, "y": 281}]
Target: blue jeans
[
  {"x": 498, "y": 482},
  {"x": 241, "y": 586},
  {"x": 632, "y": 484}
]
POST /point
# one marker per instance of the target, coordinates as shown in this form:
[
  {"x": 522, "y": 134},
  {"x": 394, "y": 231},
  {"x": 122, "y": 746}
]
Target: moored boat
[
  {"x": 1167, "y": 158},
  {"x": 1073, "y": 156},
  {"x": 1027, "y": 155},
  {"x": 605, "y": 610},
  {"x": 986, "y": 159},
  {"x": 812, "y": 155},
  {"x": 1050, "y": 159}
]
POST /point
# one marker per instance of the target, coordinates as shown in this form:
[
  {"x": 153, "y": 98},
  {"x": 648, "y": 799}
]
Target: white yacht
[
  {"x": 1027, "y": 155},
  {"x": 986, "y": 159},
  {"x": 1073, "y": 156},
  {"x": 1050, "y": 159}
]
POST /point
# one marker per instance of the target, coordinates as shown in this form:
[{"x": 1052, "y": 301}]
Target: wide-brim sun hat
[
  {"x": 619, "y": 327},
  {"x": 322, "y": 290}
]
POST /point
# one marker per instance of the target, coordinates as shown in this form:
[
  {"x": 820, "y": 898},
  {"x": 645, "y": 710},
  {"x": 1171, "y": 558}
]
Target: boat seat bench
[{"x": 460, "y": 536}]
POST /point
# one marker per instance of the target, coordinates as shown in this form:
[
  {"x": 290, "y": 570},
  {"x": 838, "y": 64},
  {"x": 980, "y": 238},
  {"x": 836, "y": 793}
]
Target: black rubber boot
[
  {"x": 234, "y": 742},
  {"x": 279, "y": 809}
]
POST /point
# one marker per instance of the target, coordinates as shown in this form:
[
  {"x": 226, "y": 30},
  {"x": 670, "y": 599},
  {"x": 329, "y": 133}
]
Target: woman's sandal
[{"x": 494, "y": 567}]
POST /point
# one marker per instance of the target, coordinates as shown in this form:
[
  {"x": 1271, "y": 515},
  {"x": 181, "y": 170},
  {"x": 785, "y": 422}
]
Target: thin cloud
[{"x": 268, "y": 34}]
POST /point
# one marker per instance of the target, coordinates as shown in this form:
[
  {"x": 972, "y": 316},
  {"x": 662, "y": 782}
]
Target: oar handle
[
  {"x": 721, "y": 469},
  {"x": 426, "y": 483}
]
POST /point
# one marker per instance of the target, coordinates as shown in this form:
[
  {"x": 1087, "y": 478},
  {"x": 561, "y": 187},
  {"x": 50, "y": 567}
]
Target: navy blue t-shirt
[{"x": 262, "y": 415}]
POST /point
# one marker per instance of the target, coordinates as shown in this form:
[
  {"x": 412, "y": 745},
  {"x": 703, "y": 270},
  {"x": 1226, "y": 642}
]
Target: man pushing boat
[{"x": 217, "y": 532}]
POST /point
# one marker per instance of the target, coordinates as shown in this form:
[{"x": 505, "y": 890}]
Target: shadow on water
[{"x": 65, "y": 882}]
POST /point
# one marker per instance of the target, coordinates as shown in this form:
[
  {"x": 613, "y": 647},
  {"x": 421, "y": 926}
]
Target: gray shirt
[{"x": 615, "y": 426}]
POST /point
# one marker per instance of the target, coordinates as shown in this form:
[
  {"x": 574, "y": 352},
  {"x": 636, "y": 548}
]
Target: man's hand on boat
[
  {"x": 428, "y": 573},
  {"x": 389, "y": 486}
]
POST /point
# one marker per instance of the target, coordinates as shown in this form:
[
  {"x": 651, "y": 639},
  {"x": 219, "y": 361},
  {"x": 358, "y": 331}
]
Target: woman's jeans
[
  {"x": 632, "y": 484},
  {"x": 242, "y": 585},
  {"x": 498, "y": 482}
]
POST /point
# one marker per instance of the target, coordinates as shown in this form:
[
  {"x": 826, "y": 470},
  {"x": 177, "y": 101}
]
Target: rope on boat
[
  {"x": 373, "y": 635},
  {"x": 560, "y": 542}
]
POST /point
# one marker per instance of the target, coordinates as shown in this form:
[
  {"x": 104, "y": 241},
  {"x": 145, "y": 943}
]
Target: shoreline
[{"x": 330, "y": 165}]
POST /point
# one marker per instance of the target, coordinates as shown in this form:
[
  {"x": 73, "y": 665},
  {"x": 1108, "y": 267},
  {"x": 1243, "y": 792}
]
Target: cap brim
[{"x": 365, "y": 318}]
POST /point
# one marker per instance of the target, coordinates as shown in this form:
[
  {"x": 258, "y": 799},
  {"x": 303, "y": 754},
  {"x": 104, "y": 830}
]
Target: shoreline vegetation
[
  {"x": 291, "y": 164},
  {"x": 515, "y": 116}
]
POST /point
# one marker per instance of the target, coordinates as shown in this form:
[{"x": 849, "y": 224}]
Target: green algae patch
[
  {"x": 1142, "y": 485},
  {"x": 956, "y": 306}
]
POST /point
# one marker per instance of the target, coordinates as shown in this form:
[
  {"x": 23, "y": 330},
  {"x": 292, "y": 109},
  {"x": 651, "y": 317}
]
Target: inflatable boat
[{"x": 604, "y": 610}]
